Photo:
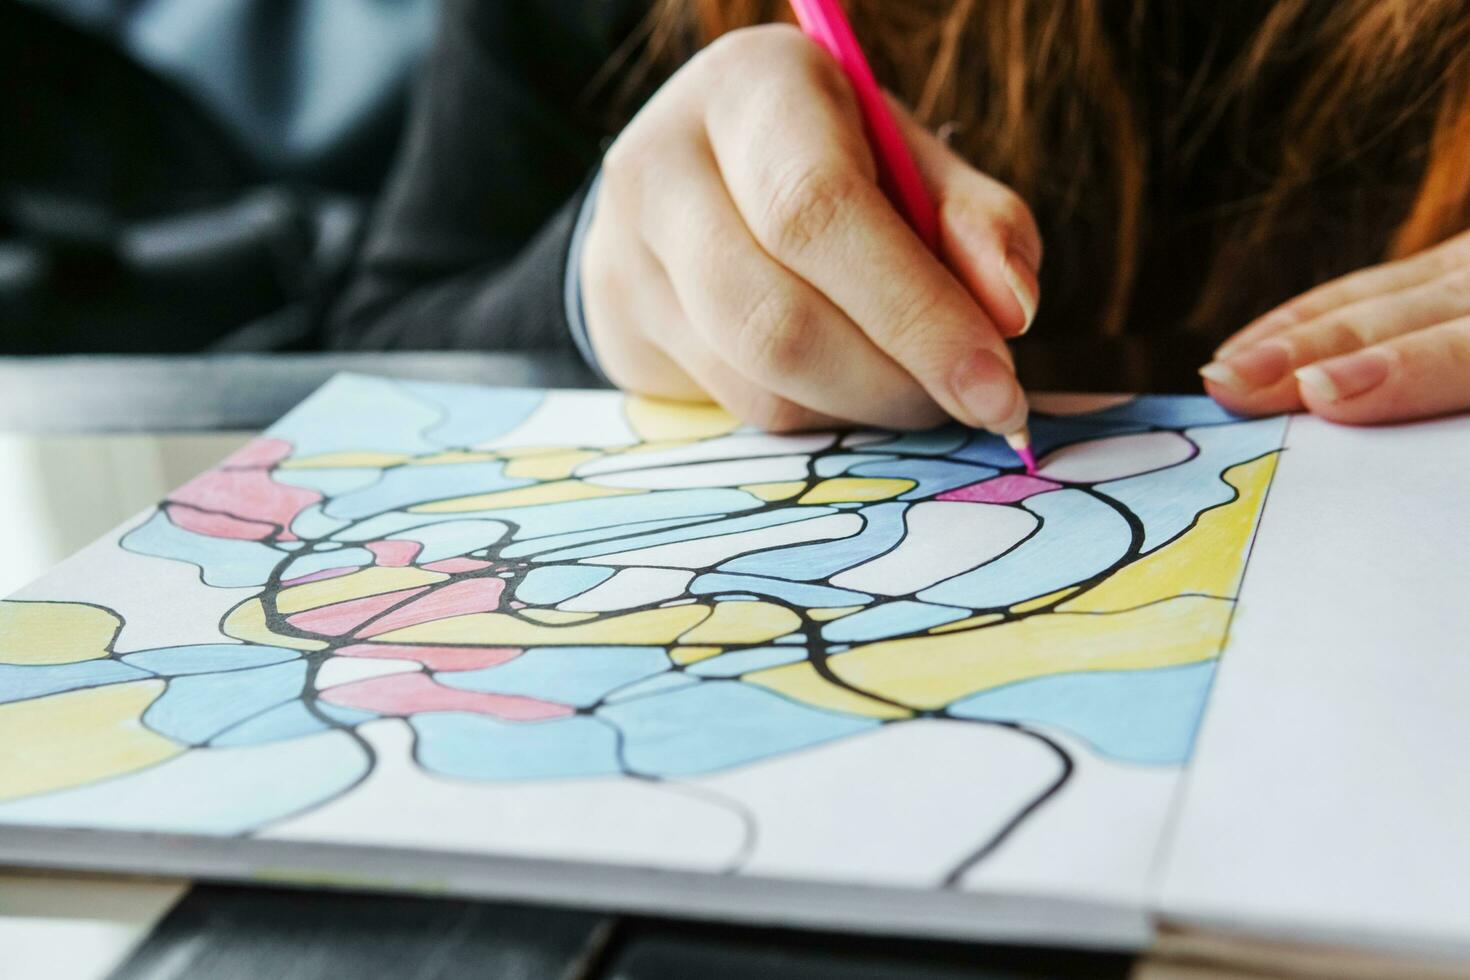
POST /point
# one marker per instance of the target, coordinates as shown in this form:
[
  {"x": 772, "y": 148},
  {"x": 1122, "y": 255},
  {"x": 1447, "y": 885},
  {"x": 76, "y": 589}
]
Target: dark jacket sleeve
[{"x": 468, "y": 246}]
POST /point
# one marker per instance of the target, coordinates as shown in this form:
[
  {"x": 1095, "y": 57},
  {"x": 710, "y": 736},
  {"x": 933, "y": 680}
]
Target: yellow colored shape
[
  {"x": 693, "y": 655},
  {"x": 549, "y": 466},
  {"x": 984, "y": 619},
  {"x": 655, "y": 418},
  {"x": 454, "y": 456},
  {"x": 54, "y": 632},
  {"x": 557, "y": 616},
  {"x": 743, "y": 622},
  {"x": 836, "y": 612},
  {"x": 69, "y": 739},
  {"x": 775, "y": 491},
  {"x": 369, "y": 581},
  {"x": 932, "y": 671},
  {"x": 1208, "y": 559},
  {"x": 326, "y": 461},
  {"x": 247, "y": 622},
  {"x": 647, "y": 627},
  {"x": 801, "y": 682},
  {"x": 542, "y": 493},
  {"x": 1042, "y": 601},
  {"x": 851, "y": 489}
]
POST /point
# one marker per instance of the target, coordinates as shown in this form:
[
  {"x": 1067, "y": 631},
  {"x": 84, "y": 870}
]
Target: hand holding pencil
[{"x": 744, "y": 249}]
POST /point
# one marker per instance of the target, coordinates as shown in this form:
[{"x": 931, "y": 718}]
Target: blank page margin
[{"x": 1329, "y": 796}]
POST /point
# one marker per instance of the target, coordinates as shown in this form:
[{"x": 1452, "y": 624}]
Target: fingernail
[
  {"x": 1021, "y": 288},
  {"x": 1340, "y": 378},
  {"x": 987, "y": 389},
  {"x": 1257, "y": 367}
]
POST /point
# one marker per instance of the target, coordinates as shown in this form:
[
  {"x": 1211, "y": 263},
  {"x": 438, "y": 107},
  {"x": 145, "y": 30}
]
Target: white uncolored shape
[
  {"x": 631, "y": 587},
  {"x": 744, "y": 445},
  {"x": 1116, "y": 457},
  {"x": 345, "y": 670},
  {"x": 725, "y": 473},
  {"x": 130, "y": 584},
  {"x": 1328, "y": 797},
  {"x": 1074, "y": 403},
  {"x": 1098, "y": 838},
  {"x": 863, "y": 438},
  {"x": 571, "y": 418},
  {"x": 943, "y": 539},
  {"x": 605, "y": 819},
  {"x": 76, "y": 928},
  {"x": 707, "y": 552},
  {"x": 900, "y": 805}
]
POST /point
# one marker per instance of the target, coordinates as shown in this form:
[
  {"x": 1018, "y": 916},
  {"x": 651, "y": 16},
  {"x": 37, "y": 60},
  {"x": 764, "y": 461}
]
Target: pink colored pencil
[{"x": 824, "y": 22}]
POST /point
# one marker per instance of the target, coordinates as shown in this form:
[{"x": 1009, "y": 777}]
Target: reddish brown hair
[{"x": 1055, "y": 97}]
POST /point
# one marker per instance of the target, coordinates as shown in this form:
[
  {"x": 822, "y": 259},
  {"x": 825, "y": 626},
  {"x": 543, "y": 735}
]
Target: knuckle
[
  {"x": 1457, "y": 282},
  {"x": 804, "y": 206},
  {"x": 775, "y": 334},
  {"x": 912, "y": 325}
]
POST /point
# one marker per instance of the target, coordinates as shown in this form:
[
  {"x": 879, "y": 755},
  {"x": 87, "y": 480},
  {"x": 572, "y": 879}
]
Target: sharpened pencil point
[{"x": 1021, "y": 443}]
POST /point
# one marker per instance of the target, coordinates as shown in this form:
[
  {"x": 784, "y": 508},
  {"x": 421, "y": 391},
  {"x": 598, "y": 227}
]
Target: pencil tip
[{"x": 1020, "y": 441}]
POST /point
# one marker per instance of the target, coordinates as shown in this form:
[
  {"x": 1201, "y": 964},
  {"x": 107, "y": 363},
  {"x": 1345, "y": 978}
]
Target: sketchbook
[{"x": 585, "y": 648}]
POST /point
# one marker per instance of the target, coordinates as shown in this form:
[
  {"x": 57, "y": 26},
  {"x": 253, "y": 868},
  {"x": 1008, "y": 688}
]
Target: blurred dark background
[{"x": 191, "y": 175}]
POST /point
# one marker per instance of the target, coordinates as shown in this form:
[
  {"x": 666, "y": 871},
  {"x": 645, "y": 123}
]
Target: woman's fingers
[
  {"x": 1259, "y": 378},
  {"x": 989, "y": 237},
  {"x": 800, "y": 174},
  {"x": 773, "y": 328},
  {"x": 1367, "y": 283},
  {"x": 1416, "y": 375}
]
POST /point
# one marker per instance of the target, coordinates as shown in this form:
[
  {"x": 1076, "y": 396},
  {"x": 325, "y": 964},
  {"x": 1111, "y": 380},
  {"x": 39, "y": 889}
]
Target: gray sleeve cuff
[{"x": 572, "y": 282}]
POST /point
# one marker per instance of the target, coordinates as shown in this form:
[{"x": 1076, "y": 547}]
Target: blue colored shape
[
  {"x": 1167, "y": 411},
  {"x": 214, "y": 792},
  {"x": 730, "y": 525},
  {"x": 472, "y": 414},
  {"x": 889, "y": 620},
  {"x": 791, "y": 639},
  {"x": 290, "y": 720},
  {"x": 943, "y": 441},
  {"x": 554, "y": 541},
  {"x": 883, "y": 528},
  {"x": 406, "y": 486},
  {"x": 1168, "y": 501},
  {"x": 658, "y": 683},
  {"x": 197, "y": 708},
  {"x": 472, "y": 746},
  {"x": 719, "y": 724},
  {"x": 452, "y": 539},
  {"x": 319, "y": 561},
  {"x": 613, "y": 512},
  {"x": 1143, "y": 716},
  {"x": 224, "y": 563},
  {"x": 19, "y": 682},
  {"x": 745, "y": 661},
  {"x": 1079, "y": 537},
  {"x": 355, "y": 412},
  {"x": 839, "y": 463},
  {"x": 932, "y": 475},
  {"x": 330, "y": 481},
  {"x": 569, "y": 675},
  {"x": 796, "y": 593},
  {"x": 550, "y": 584},
  {"x": 313, "y": 523},
  {"x": 207, "y": 658}
]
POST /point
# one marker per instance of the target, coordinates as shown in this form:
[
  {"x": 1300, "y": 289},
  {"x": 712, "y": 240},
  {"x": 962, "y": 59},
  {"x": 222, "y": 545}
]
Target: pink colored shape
[
  {"x": 436, "y": 658},
  {"x": 323, "y": 574},
  {"x": 257, "y": 454},
  {"x": 517, "y": 604},
  {"x": 407, "y": 694},
  {"x": 218, "y": 525},
  {"x": 454, "y": 566},
  {"x": 1000, "y": 490},
  {"x": 474, "y": 595},
  {"x": 343, "y": 617},
  {"x": 394, "y": 554},
  {"x": 248, "y": 494}
]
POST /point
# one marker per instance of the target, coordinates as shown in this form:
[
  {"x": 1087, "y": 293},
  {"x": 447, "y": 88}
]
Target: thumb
[{"x": 987, "y": 234}]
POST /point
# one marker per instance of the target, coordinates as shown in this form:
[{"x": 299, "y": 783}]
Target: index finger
[{"x": 800, "y": 174}]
